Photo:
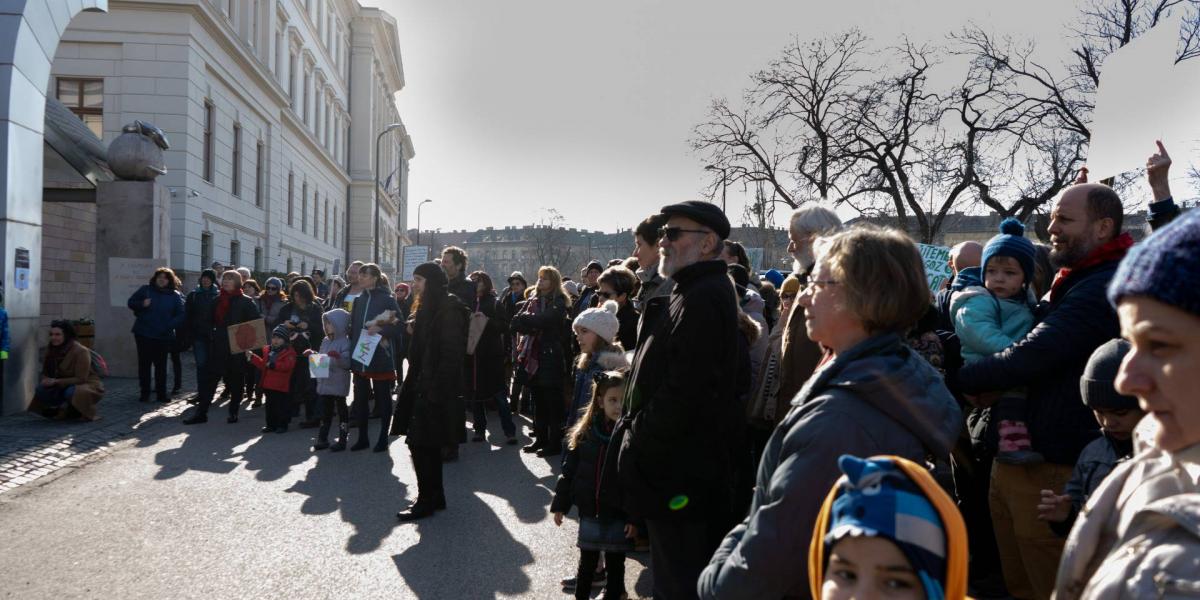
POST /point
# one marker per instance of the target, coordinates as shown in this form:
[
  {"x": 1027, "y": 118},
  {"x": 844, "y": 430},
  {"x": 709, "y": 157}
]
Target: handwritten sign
[
  {"x": 413, "y": 257},
  {"x": 364, "y": 350},
  {"x": 250, "y": 335},
  {"x": 318, "y": 366},
  {"x": 937, "y": 265}
]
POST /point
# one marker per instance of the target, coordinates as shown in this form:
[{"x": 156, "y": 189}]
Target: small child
[
  {"x": 589, "y": 483},
  {"x": 994, "y": 316},
  {"x": 887, "y": 530},
  {"x": 332, "y": 390},
  {"x": 276, "y": 364},
  {"x": 596, "y": 330},
  {"x": 1117, "y": 415}
]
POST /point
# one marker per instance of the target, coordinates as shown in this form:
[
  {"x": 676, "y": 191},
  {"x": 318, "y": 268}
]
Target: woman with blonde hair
[{"x": 541, "y": 361}]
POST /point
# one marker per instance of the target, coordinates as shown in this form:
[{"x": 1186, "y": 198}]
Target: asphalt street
[{"x": 222, "y": 511}]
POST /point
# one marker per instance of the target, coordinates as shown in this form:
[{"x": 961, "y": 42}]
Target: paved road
[{"x": 220, "y": 511}]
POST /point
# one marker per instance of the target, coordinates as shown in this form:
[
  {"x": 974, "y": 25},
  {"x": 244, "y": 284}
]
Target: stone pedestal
[{"x": 133, "y": 238}]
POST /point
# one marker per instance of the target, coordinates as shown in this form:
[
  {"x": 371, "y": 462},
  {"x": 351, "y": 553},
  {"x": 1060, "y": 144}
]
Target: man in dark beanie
[{"x": 675, "y": 459}]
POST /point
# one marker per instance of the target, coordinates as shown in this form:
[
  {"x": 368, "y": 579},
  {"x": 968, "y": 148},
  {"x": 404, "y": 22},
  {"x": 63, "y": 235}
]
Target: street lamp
[
  {"x": 423, "y": 203},
  {"x": 724, "y": 182},
  {"x": 378, "y": 139}
]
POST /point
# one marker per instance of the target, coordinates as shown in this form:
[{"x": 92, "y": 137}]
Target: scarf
[
  {"x": 1110, "y": 252},
  {"x": 268, "y": 300},
  {"x": 529, "y": 344},
  {"x": 223, "y": 303},
  {"x": 54, "y": 356}
]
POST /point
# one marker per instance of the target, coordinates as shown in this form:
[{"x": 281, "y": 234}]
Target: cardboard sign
[
  {"x": 364, "y": 350},
  {"x": 414, "y": 256},
  {"x": 251, "y": 335},
  {"x": 318, "y": 366},
  {"x": 937, "y": 265}
]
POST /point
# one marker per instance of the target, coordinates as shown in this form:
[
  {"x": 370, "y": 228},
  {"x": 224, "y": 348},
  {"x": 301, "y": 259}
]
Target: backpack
[{"x": 99, "y": 367}]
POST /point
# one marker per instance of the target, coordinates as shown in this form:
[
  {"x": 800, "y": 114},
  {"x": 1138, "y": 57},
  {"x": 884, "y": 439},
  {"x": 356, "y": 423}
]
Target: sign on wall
[
  {"x": 126, "y": 275},
  {"x": 937, "y": 265},
  {"x": 413, "y": 257}
]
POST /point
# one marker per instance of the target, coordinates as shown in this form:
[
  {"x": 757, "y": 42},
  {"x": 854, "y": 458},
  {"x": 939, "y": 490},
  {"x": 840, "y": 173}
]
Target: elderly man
[
  {"x": 800, "y": 355},
  {"x": 1087, "y": 244},
  {"x": 675, "y": 458}
]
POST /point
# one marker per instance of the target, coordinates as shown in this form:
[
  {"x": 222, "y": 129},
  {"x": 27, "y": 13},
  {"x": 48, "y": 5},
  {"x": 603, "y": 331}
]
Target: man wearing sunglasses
[{"x": 680, "y": 409}]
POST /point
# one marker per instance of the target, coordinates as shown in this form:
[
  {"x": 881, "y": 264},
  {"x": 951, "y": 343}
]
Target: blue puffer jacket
[
  {"x": 986, "y": 324},
  {"x": 164, "y": 315}
]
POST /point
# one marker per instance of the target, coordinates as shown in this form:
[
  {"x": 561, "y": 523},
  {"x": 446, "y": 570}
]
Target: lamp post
[
  {"x": 724, "y": 182},
  {"x": 419, "y": 206},
  {"x": 378, "y": 139}
]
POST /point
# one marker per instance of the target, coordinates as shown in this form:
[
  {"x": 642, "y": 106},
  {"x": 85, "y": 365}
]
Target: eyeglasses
[
  {"x": 787, "y": 296},
  {"x": 816, "y": 284},
  {"x": 674, "y": 233}
]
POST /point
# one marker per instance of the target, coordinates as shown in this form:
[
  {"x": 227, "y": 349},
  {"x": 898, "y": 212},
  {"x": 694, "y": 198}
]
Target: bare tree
[{"x": 551, "y": 243}]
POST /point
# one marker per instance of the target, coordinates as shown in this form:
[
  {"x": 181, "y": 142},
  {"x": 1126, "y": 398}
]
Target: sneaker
[{"x": 570, "y": 583}]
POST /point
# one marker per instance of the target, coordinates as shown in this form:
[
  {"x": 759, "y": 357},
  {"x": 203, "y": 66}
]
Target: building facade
[{"x": 265, "y": 113}]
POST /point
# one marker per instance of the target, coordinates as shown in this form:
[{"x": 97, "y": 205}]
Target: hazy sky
[{"x": 515, "y": 106}]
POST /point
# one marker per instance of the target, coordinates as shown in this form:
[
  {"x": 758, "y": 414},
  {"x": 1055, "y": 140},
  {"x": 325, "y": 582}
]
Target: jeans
[
  {"x": 53, "y": 396},
  {"x": 152, "y": 353},
  {"x": 479, "y": 408}
]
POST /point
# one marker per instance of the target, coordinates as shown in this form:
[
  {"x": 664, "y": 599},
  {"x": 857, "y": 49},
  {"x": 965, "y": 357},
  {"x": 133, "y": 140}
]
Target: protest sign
[
  {"x": 364, "y": 350},
  {"x": 250, "y": 335},
  {"x": 413, "y": 257},
  {"x": 937, "y": 265},
  {"x": 318, "y": 366}
]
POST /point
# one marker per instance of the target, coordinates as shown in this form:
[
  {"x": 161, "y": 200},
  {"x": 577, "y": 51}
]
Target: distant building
[{"x": 959, "y": 227}]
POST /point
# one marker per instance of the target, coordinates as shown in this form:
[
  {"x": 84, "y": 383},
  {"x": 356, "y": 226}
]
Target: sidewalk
[{"x": 32, "y": 447}]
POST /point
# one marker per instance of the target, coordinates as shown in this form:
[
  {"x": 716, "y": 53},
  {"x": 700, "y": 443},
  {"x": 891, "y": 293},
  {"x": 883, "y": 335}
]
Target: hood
[
  {"x": 885, "y": 373},
  {"x": 612, "y": 361},
  {"x": 749, "y": 327},
  {"x": 966, "y": 293},
  {"x": 752, "y": 302},
  {"x": 968, "y": 277},
  {"x": 955, "y": 530},
  {"x": 340, "y": 319}
]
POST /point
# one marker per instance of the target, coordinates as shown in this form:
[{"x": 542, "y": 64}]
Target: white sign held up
[
  {"x": 364, "y": 350},
  {"x": 937, "y": 265}
]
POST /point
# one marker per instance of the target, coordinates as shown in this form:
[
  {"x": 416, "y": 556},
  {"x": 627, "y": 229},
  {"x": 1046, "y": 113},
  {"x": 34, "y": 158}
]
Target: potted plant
[{"x": 85, "y": 331}]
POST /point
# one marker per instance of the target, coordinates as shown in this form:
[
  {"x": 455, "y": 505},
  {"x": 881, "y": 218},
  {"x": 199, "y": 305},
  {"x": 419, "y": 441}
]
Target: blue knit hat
[
  {"x": 1013, "y": 243},
  {"x": 775, "y": 277},
  {"x": 1165, "y": 267},
  {"x": 877, "y": 499}
]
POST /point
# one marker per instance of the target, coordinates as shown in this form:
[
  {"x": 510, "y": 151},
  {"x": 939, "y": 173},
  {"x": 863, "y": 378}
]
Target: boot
[
  {"x": 322, "y": 437},
  {"x": 419, "y": 510},
  {"x": 364, "y": 441},
  {"x": 340, "y": 444},
  {"x": 382, "y": 444}
]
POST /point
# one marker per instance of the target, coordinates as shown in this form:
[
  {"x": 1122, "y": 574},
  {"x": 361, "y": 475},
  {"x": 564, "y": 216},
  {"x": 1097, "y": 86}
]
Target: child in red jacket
[{"x": 276, "y": 363}]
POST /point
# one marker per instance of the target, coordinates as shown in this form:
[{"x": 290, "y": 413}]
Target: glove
[
  {"x": 334, "y": 354},
  {"x": 3, "y": 354}
]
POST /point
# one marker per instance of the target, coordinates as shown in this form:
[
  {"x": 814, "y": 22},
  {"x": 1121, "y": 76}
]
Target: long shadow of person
[
  {"x": 500, "y": 471},
  {"x": 274, "y": 455},
  {"x": 362, "y": 487},
  {"x": 207, "y": 447}
]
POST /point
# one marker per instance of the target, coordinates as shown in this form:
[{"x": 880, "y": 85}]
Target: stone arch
[{"x": 29, "y": 34}]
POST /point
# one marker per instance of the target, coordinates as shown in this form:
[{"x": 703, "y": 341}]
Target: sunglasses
[
  {"x": 674, "y": 233},
  {"x": 607, "y": 296},
  {"x": 272, "y": 288}
]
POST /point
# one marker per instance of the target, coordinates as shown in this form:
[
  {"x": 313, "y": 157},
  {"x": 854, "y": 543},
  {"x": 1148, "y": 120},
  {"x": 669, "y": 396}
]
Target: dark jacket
[
  {"x": 680, "y": 403},
  {"x": 241, "y": 310},
  {"x": 799, "y": 355},
  {"x": 198, "y": 312},
  {"x": 589, "y": 480},
  {"x": 432, "y": 393},
  {"x": 587, "y": 299},
  {"x": 370, "y": 304},
  {"x": 879, "y": 397},
  {"x": 1097, "y": 460},
  {"x": 552, "y": 327},
  {"x": 628, "y": 318},
  {"x": 464, "y": 289},
  {"x": 165, "y": 314},
  {"x": 1049, "y": 361},
  {"x": 309, "y": 338},
  {"x": 486, "y": 367}
]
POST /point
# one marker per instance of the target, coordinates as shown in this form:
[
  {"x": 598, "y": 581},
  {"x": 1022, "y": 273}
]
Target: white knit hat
[{"x": 602, "y": 320}]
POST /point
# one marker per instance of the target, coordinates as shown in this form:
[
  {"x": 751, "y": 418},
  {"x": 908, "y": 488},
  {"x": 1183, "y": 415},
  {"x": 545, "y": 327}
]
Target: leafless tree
[{"x": 550, "y": 239}]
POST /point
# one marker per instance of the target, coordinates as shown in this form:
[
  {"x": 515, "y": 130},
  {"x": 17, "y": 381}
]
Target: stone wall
[{"x": 68, "y": 263}]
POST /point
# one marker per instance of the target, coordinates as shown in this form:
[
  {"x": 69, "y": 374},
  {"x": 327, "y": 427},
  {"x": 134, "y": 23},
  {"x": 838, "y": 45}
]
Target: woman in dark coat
[
  {"x": 158, "y": 311},
  {"x": 302, "y": 318},
  {"x": 485, "y": 368},
  {"x": 433, "y": 386},
  {"x": 541, "y": 358},
  {"x": 231, "y": 307},
  {"x": 198, "y": 323},
  {"x": 376, "y": 311}
]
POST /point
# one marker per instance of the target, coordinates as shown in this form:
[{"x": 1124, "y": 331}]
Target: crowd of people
[{"x": 839, "y": 431}]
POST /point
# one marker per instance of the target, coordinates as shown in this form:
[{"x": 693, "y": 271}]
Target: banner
[
  {"x": 413, "y": 257},
  {"x": 937, "y": 265},
  {"x": 251, "y": 335},
  {"x": 364, "y": 350}
]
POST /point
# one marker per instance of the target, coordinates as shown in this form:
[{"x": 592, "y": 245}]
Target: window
[
  {"x": 205, "y": 250},
  {"x": 291, "y": 205},
  {"x": 258, "y": 174},
  {"x": 304, "y": 267},
  {"x": 304, "y": 98},
  {"x": 208, "y": 140},
  {"x": 335, "y": 220},
  {"x": 237, "y": 160},
  {"x": 289, "y": 264},
  {"x": 85, "y": 98},
  {"x": 255, "y": 9},
  {"x": 258, "y": 259},
  {"x": 291, "y": 86},
  {"x": 325, "y": 236},
  {"x": 304, "y": 207},
  {"x": 235, "y": 253}
]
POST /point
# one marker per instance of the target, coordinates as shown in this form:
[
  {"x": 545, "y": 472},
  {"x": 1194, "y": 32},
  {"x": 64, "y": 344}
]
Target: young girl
[
  {"x": 596, "y": 329},
  {"x": 590, "y": 483},
  {"x": 332, "y": 390},
  {"x": 276, "y": 364}
]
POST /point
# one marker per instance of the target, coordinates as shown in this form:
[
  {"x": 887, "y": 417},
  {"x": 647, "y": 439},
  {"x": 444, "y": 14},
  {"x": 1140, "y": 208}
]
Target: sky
[{"x": 519, "y": 106}]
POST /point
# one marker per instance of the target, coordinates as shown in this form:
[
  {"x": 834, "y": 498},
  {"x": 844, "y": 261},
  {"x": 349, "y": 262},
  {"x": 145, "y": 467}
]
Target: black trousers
[
  {"x": 279, "y": 409},
  {"x": 152, "y": 353},
  {"x": 364, "y": 390},
  {"x": 547, "y": 415},
  {"x": 328, "y": 405},
  {"x": 614, "y": 563},
  {"x": 234, "y": 375},
  {"x": 427, "y": 462},
  {"x": 177, "y": 365},
  {"x": 679, "y": 551}
]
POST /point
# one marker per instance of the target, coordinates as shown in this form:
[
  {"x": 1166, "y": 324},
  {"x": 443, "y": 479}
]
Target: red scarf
[
  {"x": 223, "y": 302},
  {"x": 1112, "y": 251}
]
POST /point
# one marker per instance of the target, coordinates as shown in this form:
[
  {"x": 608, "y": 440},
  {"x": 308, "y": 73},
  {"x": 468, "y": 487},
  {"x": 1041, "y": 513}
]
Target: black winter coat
[
  {"x": 197, "y": 310},
  {"x": 485, "y": 368},
  {"x": 241, "y": 310},
  {"x": 589, "y": 481},
  {"x": 368, "y": 305},
  {"x": 552, "y": 325},
  {"x": 628, "y": 318},
  {"x": 1096, "y": 462},
  {"x": 432, "y": 393},
  {"x": 1050, "y": 360},
  {"x": 464, "y": 289},
  {"x": 681, "y": 403},
  {"x": 310, "y": 337}
]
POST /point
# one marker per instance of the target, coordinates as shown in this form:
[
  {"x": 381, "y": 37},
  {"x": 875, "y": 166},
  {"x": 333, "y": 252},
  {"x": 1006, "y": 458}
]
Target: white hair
[{"x": 814, "y": 219}]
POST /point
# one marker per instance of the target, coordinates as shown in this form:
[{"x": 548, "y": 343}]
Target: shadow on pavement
[{"x": 206, "y": 447}]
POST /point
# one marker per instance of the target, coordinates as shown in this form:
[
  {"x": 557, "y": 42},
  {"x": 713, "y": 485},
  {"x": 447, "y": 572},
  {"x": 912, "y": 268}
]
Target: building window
[
  {"x": 289, "y": 264},
  {"x": 237, "y": 160},
  {"x": 85, "y": 98},
  {"x": 291, "y": 203},
  {"x": 208, "y": 140},
  {"x": 304, "y": 267},
  {"x": 335, "y": 220},
  {"x": 325, "y": 236},
  {"x": 292, "y": 80},
  {"x": 304, "y": 207},
  {"x": 304, "y": 97},
  {"x": 258, "y": 174},
  {"x": 235, "y": 253},
  {"x": 258, "y": 263},
  {"x": 205, "y": 250}
]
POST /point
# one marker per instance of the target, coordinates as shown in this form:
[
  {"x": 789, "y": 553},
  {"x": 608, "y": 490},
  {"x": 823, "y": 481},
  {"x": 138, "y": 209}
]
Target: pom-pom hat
[
  {"x": 1012, "y": 243},
  {"x": 602, "y": 320}
]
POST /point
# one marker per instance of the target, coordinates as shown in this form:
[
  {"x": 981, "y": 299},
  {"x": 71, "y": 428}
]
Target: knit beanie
[
  {"x": 1012, "y": 243},
  {"x": 571, "y": 287},
  {"x": 877, "y": 499},
  {"x": 433, "y": 274},
  {"x": 277, "y": 282},
  {"x": 281, "y": 331},
  {"x": 1097, "y": 386},
  {"x": 775, "y": 277},
  {"x": 602, "y": 320},
  {"x": 1165, "y": 266},
  {"x": 210, "y": 274},
  {"x": 791, "y": 285}
]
